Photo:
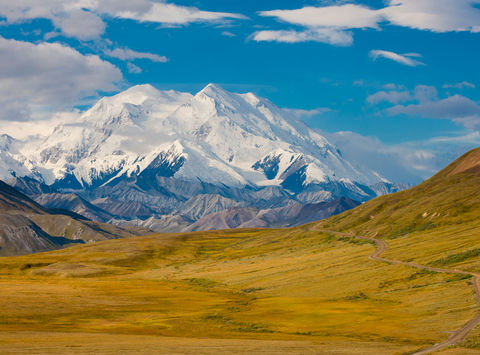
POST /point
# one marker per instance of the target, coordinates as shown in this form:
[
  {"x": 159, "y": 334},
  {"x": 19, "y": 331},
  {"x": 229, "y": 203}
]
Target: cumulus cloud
[
  {"x": 48, "y": 74},
  {"x": 408, "y": 162},
  {"x": 68, "y": 16},
  {"x": 431, "y": 15},
  {"x": 457, "y": 108},
  {"x": 404, "y": 59},
  {"x": 425, "y": 101},
  {"x": 128, "y": 54},
  {"x": 82, "y": 19},
  {"x": 398, "y": 163}
]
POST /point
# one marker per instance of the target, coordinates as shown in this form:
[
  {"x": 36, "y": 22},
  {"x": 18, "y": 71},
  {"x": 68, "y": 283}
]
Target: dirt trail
[{"x": 458, "y": 335}]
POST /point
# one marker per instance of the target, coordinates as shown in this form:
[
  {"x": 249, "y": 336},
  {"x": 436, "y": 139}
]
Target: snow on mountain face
[
  {"x": 214, "y": 136},
  {"x": 12, "y": 162}
]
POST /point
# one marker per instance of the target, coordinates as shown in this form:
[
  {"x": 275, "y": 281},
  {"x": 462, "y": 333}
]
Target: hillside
[
  {"x": 428, "y": 223},
  {"x": 26, "y": 227},
  {"x": 392, "y": 276}
]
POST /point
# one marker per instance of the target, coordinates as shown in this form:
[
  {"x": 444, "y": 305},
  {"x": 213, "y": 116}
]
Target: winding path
[{"x": 458, "y": 335}]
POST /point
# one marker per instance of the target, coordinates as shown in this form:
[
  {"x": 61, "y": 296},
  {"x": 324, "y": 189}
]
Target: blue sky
[{"x": 403, "y": 73}]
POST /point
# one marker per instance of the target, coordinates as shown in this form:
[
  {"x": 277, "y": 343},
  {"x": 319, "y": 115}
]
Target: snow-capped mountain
[
  {"x": 13, "y": 162},
  {"x": 173, "y": 157},
  {"x": 214, "y": 136}
]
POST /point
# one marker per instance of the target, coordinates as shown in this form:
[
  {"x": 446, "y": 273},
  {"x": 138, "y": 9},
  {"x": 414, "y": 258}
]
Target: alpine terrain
[{"x": 165, "y": 159}]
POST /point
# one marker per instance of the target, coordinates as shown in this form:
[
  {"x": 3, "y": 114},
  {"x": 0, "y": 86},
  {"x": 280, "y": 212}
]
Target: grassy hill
[
  {"x": 437, "y": 222},
  {"x": 298, "y": 290}
]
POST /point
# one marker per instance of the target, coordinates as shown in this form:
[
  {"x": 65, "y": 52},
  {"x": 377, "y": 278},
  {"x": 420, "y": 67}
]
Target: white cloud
[
  {"x": 36, "y": 76},
  {"x": 327, "y": 24},
  {"x": 134, "y": 69},
  {"x": 82, "y": 19},
  {"x": 393, "y": 86},
  {"x": 424, "y": 101},
  {"x": 66, "y": 15},
  {"x": 398, "y": 163},
  {"x": 404, "y": 59},
  {"x": 432, "y": 15},
  {"x": 425, "y": 93},
  {"x": 299, "y": 113},
  {"x": 166, "y": 13},
  {"x": 128, "y": 54},
  {"x": 462, "y": 85},
  {"x": 393, "y": 97},
  {"x": 408, "y": 162},
  {"x": 435, "y": 15},
  {"x": 228, "y": 34},
  {"x": 27, "y": 130},
  {"x": 457, "y": 108},
  {"x": 324, "y": 35},
  {"x": 343, "y": 16},
  {"x": 452, "y": 107}
]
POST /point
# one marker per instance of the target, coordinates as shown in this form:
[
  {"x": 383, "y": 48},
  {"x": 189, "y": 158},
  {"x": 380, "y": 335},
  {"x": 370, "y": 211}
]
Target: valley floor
[
  {"x": 87, "y": 343},
  {"x": 244, "y": 291}
]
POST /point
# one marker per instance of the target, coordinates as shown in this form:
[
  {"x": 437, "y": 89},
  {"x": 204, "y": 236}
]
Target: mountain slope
[
  {"x": 12, "y": 201},
  {"x": 436, "y": 223},
  {"x": 27, "y": 227},
  {"x": 293, "y": 214},
  {"x": 19, "y": 234},
  {"x": 74, "y": 203}
]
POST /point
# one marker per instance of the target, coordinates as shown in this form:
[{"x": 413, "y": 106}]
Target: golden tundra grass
[{"x": 295, "y": 290}]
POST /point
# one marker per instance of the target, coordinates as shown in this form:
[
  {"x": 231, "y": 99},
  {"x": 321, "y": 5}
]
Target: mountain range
[{"x": 147, "y": 155}]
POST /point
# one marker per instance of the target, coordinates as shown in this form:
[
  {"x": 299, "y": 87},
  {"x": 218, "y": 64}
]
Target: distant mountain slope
[
  {"x": 74, "y": 203},
  {"x": 12, "y": 201},
  {"x": 26, "y": 227},
  {"x": 294, "y": 214},
  {"x": 19, "y": 234},
  {"x": 290, "y": 215}
]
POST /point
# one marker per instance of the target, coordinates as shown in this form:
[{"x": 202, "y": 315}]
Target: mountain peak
[
  {"x": 137, "y": 94},
  {"x": 214, "y": 91}
]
